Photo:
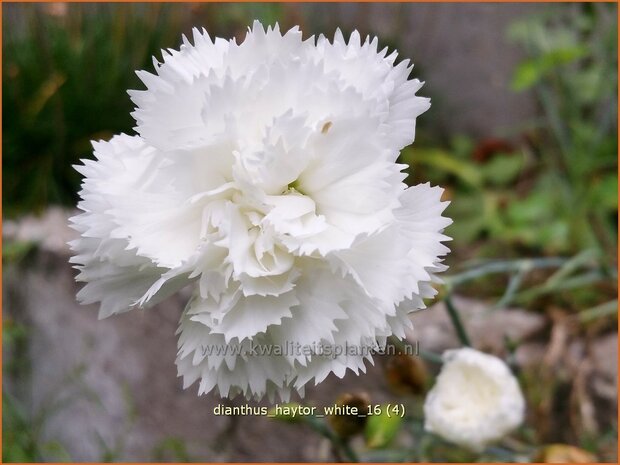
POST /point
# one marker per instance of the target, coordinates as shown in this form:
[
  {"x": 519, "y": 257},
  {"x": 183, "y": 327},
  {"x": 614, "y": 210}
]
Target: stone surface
[
  {"x": 487, "y": 327},
  {"x": 605, "y": 359},
  {"x": 460, "y": 50},
  {"x": 49, "y": 230}
]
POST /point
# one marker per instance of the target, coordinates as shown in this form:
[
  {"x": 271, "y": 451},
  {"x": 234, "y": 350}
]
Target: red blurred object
[{"x": 486, "y": 148}]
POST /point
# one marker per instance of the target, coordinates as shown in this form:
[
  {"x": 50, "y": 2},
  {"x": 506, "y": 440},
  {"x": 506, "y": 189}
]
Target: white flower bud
[{"x": 476, "y": 400}]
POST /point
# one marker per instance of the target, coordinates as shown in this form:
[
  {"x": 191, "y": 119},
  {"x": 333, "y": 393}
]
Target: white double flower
[{"x": 265, "y": 172}]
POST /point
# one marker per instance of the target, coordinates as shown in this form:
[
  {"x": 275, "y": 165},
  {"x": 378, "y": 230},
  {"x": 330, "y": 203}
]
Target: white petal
[{"x": 115, "y": 275}]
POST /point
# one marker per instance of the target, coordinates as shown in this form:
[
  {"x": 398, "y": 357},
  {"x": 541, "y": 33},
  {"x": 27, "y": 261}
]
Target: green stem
[
  {"x": 513, "y": 286},
  {"x": 582, "y": 280},
  {"x": 349, "y": 452},
  {"x": 431, "y": 357},
  {"x": 606, "y": 309},
  {"x": 456, "y": 321},
  {"x": 503, "y": 266},
  {"x": 573, "y": 264},
  {"x": 339, "y": 443}
]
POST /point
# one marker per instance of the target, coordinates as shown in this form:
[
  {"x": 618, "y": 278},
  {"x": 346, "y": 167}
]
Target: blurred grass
[{"x": 64, "y": 83}]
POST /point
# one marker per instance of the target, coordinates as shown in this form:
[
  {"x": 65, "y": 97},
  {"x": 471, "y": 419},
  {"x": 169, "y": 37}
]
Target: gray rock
[
  {"x": 486, "y": 327},
  {"x": 604, "y": 352}
]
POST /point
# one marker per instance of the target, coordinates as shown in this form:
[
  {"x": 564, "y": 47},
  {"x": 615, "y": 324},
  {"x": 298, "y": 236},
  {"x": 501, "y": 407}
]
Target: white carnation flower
[
  {"x": 265, "y": 173},
  {"x": 475, "y": 401}
]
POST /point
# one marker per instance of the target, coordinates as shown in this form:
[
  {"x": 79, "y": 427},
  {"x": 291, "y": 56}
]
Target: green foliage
[
  {"x": 444, "y": 162},
  {"x": 380, "y": 430},
  {"x": 534, "y": 70},
  {"x": 16, "y": 251},
  {"x": 572, "y": 69},
  {"x": 555, "y": 190},
  {"x": 19, "y": 442},
  {"x": 172, "y": 448}
]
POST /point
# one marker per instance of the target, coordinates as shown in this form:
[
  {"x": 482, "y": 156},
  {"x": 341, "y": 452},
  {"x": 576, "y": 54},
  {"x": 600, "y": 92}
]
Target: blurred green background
[{"x": 523, "y": 136}]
